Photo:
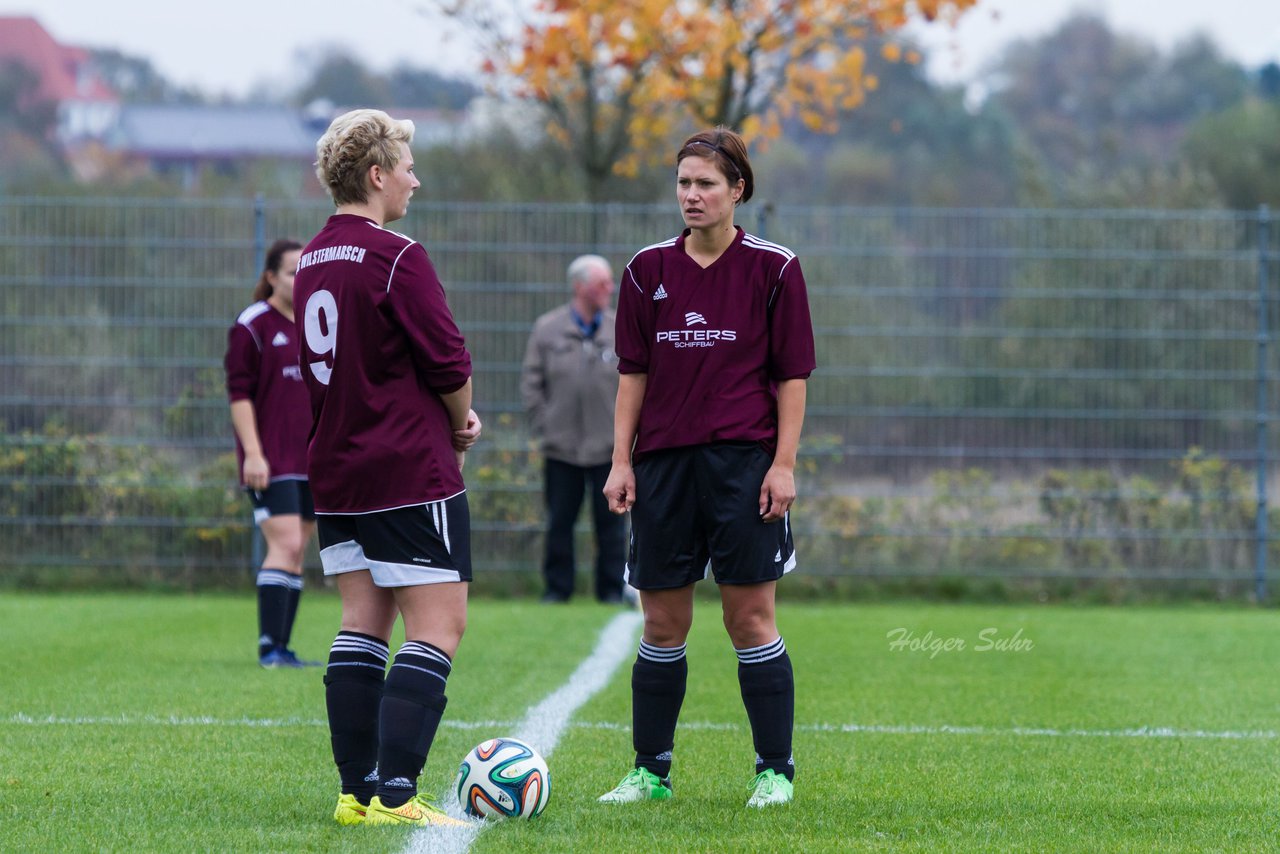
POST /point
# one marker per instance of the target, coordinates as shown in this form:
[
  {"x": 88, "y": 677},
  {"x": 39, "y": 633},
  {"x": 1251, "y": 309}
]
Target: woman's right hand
[
  {"x": 257, "y": 473},
  {"x": 465, "y": 438},
  {"x": 620, "y": 488}
]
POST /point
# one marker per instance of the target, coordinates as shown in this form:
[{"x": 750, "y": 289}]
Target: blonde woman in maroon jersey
[
  {"x": 390, "y": 382},
  {"x": 715, "y": 346}
]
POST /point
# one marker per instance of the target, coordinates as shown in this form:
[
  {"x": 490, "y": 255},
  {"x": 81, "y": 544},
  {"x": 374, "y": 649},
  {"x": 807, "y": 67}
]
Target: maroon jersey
[
  {"x": 262, "y": 367},
  {"x": 715, "y": 342},
  {"x": 379, "y": 347}
]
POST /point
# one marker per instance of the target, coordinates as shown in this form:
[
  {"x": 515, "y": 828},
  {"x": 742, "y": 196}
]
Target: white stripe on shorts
[
  {"x": 343, "y": 557},
  {"x": 409, "y": 574},
  {"x": 440, "y": 518},
  {"x": 350, "y": 557}
]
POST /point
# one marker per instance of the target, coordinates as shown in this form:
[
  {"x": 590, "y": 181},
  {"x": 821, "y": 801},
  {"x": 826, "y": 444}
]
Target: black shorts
[
  {"x": 698, "y": 508},
  {"x": 408, "y": 546},
  {"x": 284, "y": 497}
]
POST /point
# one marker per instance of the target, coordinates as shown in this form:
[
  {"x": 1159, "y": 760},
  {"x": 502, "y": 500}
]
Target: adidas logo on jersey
[
  {"x": 660, "y": 293},
  {"x": 280, "y": 340}
]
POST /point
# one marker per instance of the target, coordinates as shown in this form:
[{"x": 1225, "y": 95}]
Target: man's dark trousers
[{"x": 565, "y": 485}]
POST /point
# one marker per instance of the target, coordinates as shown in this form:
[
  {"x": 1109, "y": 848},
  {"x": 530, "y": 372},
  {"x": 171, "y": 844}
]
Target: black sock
[
  {"x": 413, "y": 702},
  {"x": 657, "y": 692},
  {"x": 769, "y": 693},
  {"x": 290, "y": 609},
  {"x": 353, "y": 692},
  {"x": 273, "y": 601}
]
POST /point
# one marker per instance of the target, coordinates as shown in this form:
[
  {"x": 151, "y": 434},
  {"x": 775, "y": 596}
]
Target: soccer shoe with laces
[
  {"x": 273, "y": 659},
  {"x": 640, "y": 784},
  {"x": 349, "y": 810},
  {"x": 417, "y": 811},
  {"x": 289, "y": 658},
  {"x": 769, "y": 788}
]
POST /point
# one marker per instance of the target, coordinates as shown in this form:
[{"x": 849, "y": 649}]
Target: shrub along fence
[{"x": 1003, "y": 396}]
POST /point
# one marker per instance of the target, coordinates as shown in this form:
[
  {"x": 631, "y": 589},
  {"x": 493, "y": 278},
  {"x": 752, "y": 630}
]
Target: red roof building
[{"x": 67, "y": 79}]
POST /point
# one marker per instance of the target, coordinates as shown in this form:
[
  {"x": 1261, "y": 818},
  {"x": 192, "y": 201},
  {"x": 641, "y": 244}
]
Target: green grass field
[{"x": 136, "y": 722}]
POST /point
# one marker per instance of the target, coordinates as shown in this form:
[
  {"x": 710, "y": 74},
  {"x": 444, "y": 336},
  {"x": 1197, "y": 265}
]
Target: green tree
[
  {"x": 343, "y": 80},
  {"x": 618, "y": 80},
  {"x": 21, "y": 108},
  {"x": 913, "y": 143},
  {"x": 417, "y": 87},
  {"x": 137, "y": 81},
  {"x": 1269, "y": 81},
  {"x": 1240, "y": 149},
  {"x": 1096, "y": 107},
  {"x": 28, "y": 155}
]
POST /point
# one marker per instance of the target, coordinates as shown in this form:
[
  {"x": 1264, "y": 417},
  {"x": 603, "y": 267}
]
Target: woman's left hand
[{"x": 777, "y": 493}]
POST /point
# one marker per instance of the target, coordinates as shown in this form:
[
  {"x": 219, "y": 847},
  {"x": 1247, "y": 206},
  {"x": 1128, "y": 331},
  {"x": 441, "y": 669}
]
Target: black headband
[
  {"x": 733, "y": 164},
  {"x": 710, "y": 145}
]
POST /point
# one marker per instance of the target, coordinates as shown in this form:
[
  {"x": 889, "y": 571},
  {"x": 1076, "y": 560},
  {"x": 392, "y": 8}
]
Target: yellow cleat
[
  {"x": 417, "y": 811},
  {"x": 349, "y": 810}
]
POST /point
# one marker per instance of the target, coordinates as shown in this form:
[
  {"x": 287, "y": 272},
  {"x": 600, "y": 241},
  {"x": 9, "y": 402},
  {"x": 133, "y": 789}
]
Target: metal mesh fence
[{"x": 1005, "y": 394}]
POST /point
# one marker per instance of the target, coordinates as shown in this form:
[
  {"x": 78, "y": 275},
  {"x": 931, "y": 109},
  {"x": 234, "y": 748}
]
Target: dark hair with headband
[{"x": 728, "y": 151}]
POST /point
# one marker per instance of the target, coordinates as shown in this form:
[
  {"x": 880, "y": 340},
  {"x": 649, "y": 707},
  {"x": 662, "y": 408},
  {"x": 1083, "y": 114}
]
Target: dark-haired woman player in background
[
  {"x": 715, "y": 345},
  {"x": 271, "y": 414}
]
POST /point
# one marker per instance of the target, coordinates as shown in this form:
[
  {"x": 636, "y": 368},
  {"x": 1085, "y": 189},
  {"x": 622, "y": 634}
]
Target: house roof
[
  {"x": 184, "y": 131},
  {"x": 63, "y": 71}
]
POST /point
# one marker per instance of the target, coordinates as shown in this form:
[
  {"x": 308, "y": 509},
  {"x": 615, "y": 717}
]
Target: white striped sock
[
  {"x": 662, "y": 655},
  {"x": 761, "y": 654}
]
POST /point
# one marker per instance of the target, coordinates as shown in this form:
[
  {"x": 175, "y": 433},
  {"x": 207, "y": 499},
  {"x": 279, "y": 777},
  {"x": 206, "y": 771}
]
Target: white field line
[
  {"x": 542, "y": 726},
  {"x": 948, "y": 729},
  {"x": 21, "y": 719}
]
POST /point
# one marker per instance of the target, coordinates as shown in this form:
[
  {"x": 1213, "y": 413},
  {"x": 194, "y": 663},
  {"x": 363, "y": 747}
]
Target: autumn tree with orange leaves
[{"x": 618, "y": 77}]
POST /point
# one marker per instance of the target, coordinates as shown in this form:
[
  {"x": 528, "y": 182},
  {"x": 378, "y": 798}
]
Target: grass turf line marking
[
  {"x": 21, "y": 719},
  {"x": 203, "y": 720},
  {"x": 544, "y": 723},
  {"x": 542, "y": 726}
]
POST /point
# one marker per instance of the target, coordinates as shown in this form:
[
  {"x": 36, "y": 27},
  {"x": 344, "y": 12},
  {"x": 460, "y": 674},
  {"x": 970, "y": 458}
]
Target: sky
[{"x": 235, "y": 46}]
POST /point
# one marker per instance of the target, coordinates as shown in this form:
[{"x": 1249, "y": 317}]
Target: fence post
[
  {"x": 1263, "y": 413},
  {"x": 259, "y": 232},
  {"x": 258, "y": 548}
]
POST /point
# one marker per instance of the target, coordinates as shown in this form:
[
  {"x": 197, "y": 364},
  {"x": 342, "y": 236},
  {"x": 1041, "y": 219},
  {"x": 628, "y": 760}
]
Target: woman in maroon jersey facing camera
[
  {"x": 390, "y": 382},
  {"x": 271, "y": 417},
  {"x": 714, "y": 345}
]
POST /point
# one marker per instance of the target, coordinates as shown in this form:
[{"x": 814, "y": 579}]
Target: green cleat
[
  {"x": 349, "y": 810},
  {"x": 769, "y": 788},
  {"x": 640, "y": 784},
  {"x": 417, "y": 811}
]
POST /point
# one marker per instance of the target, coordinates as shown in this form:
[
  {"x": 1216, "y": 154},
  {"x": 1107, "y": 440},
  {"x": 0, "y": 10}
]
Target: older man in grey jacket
[{"x": 569, "y": 383}]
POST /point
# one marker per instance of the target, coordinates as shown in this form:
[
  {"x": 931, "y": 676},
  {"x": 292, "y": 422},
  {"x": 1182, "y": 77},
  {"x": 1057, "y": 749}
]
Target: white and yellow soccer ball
[{"x": 503, "y": 778}]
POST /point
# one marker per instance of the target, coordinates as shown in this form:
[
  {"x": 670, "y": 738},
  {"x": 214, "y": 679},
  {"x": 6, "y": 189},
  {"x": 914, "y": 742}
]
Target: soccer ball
[{"x": 501, "y": 778}]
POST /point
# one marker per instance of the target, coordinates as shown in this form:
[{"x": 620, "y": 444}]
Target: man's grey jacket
[{"x": 569, "y": 384}]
